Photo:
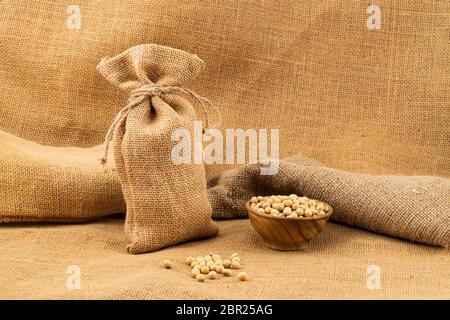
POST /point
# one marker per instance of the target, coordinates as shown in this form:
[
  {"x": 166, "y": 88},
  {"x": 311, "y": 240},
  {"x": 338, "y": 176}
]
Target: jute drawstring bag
[
  {"x": 166, "y": 203},
  {"x": 415, "y": 208}
]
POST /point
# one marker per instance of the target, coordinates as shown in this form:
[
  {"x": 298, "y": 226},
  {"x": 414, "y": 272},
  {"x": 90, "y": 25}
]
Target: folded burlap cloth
[{"x": 416, "y": 208}]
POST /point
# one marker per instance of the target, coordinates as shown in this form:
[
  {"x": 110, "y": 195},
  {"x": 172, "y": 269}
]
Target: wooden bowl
[{"x": 285, "y": 234}]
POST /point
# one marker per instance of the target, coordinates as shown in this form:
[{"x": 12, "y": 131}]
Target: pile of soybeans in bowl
[{"x": 291, "y": 206}]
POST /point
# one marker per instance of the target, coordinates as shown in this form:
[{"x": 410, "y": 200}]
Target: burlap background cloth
[
  {"x": 362, "y": 100},
  {"x": 34, "y": 260}
]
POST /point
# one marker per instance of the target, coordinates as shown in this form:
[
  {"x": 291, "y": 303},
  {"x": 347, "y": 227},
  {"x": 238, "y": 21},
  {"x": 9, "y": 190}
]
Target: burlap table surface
[
  {"x": 34, "y": 259},
  {"x": 357, "y": 99}
]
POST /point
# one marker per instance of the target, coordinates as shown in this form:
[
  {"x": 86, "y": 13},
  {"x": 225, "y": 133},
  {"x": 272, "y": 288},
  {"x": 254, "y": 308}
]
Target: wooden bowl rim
[{"x": 264, "y": 215}]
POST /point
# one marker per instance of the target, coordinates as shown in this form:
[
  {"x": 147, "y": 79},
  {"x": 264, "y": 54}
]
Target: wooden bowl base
[{"x": 291, "y": 246}]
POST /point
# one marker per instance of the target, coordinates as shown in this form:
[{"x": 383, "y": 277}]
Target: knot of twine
[{"x": 144, "y": 92}]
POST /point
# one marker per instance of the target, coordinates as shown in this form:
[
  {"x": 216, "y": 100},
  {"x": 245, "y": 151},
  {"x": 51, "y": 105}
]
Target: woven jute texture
[
  {"x": 409, "y": 207},
  {"x": 362, "y": 100},
  {"x": 340, "y": 263},
  {"x": 373, "y": 101},
  {"x": 167, "y": 203},
  {"x": 58, "y": 184}
]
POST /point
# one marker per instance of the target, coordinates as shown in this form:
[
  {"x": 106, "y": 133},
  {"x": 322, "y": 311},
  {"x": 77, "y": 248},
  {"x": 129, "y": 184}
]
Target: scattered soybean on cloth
[
  {"x": 166, "y": 203},
  {"x": 415, "y": 208}
]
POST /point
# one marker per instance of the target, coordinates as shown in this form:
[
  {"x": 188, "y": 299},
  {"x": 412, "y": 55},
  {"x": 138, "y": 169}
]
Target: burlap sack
[
  {"x": 415, "y": 208},
  {"x": 167, "y": 203},
  {"x": 55, "y": 184}
]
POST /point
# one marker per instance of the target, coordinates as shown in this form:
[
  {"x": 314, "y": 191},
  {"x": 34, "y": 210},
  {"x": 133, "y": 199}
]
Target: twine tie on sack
[{"x": 144, "y": 92}]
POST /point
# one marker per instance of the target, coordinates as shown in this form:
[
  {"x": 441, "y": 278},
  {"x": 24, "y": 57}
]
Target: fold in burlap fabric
[
  {"x": 43, "y": 183},
  {"x": 381, "y": 96},
  {"x": 166, "y": 203},
  {"x": 415, "y": 208}
]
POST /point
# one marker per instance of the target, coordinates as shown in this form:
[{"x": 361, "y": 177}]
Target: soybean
[
  {"x": 167, "y": 264},
  {"x": 243, "y": 276}
]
